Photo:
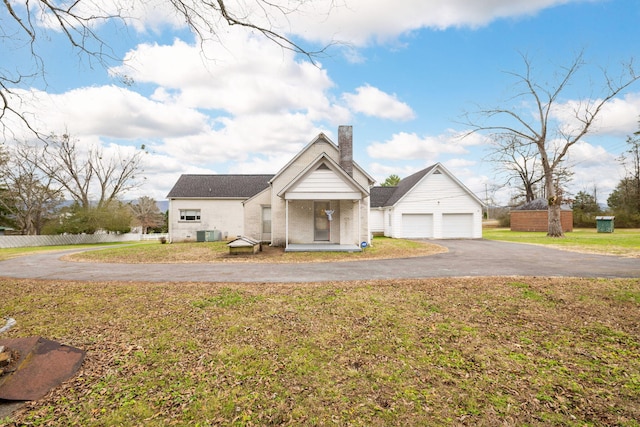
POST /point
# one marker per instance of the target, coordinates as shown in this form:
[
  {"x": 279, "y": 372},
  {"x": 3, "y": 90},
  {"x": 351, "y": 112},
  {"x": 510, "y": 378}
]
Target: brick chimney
[{"x": 345, "y": 145}]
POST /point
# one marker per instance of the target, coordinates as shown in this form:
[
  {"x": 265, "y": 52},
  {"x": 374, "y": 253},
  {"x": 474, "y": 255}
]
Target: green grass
[
  {"x": 8, "y": 253},
  {"x": 625, "y": 242},
  {"x": 493, "y": 352},
  {"x": 219, "y": 252}
]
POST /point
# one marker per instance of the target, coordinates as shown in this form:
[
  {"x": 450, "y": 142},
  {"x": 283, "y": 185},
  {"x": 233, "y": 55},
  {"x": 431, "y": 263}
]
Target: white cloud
[
  {"x": 593, "y": 166},
  {"x": 259, "y": 99},
  {"x": 618, "y": 116},
  {"x": 108, "y": 111},
  {"x": 380, "y": 171},
  {"x": 459, "y": 163},
  {"x": 238, "y": 139},
  {"x": 353, "y": 22},
  {"x": 586, "y": 154},
  {"x": 410, "y": 146},
  {"x": 373, "y": 102},
  {"x": 360, "y": 22},
  {"x": 244, "y": 75}
]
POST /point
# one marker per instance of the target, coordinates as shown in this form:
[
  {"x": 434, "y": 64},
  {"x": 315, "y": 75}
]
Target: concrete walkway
[{"x": 465, "y": 258}]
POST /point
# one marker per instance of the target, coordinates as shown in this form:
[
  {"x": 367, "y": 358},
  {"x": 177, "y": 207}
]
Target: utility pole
[{"x": 486, "y": 199}]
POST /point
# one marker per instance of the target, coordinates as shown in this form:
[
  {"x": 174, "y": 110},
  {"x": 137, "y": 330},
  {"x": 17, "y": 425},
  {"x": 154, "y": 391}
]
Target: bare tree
[
  {"x": 29, "y": 196},
  {"x": 28, "y": 24},
  {"x": 537, "y": 126},
  {"x": 520, "y": 163},
  {"x": 92, "y": 178},
  {"x": 5, "y": 214},
  {"x": 146, "y": 213}
]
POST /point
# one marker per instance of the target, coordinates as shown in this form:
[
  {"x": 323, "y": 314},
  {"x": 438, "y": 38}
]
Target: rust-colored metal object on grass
[{"x": 42, "y": 365}]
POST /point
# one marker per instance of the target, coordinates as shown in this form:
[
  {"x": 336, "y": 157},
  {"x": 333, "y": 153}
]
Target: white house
[
  {"x": 323, "y": 200},
  {"x": 320, "y": 199}
]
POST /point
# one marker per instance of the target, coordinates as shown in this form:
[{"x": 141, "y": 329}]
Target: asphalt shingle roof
[
  {"x": 221, "y": 186},
  {"x": 383, "y": 196},
  {"x": 380, "y": 195}
]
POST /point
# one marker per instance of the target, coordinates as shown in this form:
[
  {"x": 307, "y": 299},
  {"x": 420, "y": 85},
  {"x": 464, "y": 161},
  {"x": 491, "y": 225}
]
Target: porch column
[
  {"x": 359, "y": 223},
  {"x": 286, "y": 224}
]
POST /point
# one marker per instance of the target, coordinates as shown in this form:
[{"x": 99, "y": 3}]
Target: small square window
[{"x": 189, "y": 214}]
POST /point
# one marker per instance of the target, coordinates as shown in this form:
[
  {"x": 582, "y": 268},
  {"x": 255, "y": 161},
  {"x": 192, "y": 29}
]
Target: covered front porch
[
  {"x": 323, "y": 209},
  {"x": 322, "y": 226}
]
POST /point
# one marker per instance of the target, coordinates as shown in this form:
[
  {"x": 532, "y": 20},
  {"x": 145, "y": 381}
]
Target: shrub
[
  {"x": 504, "y": 219},
  {"x": 626, "y": 220}
]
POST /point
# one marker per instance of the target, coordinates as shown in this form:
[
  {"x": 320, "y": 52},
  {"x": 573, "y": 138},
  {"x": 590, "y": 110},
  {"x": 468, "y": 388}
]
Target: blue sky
[{"x": 403, "y": 76}]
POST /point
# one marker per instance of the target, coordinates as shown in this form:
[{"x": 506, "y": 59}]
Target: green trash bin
[{"x": 604, "y": 224}]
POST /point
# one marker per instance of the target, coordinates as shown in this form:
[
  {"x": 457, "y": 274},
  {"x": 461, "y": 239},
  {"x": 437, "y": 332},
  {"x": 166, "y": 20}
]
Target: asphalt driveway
[{"x": 464, "y": 258}]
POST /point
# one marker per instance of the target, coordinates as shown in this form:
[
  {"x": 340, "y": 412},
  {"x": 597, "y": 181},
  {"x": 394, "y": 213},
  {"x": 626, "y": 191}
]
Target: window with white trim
[
  {"x": 189, "y": 214},
  {"x": 266, "y": 219}
]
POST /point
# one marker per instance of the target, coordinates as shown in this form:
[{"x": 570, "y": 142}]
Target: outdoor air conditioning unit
[{"x": 208, "y": 235}]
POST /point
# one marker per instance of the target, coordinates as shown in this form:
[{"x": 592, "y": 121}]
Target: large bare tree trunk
[
  {"x": 554, "y": 228},
  {"x": 555, "y": 223}
]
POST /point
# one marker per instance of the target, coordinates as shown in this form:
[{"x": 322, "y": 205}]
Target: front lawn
[
  {"x": 219, "y": 252},
  {"x": 623, "y": 242},
  {"x": 436, "y": 352}
]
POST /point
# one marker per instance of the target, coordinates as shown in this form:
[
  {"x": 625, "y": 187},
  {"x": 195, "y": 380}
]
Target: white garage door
[
  {"x": 456, "y": 226},
  {"x": 416, "y": 226}
]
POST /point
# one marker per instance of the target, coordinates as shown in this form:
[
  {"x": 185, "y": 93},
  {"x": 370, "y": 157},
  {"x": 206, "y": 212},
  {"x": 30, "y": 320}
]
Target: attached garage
[
  {"x": 430, "y": 204},
  {"x": 417, "y": 226},
  {"x": 457, "y": 225}
]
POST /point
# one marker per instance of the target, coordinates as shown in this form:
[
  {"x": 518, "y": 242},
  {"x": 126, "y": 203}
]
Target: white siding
[
  {"x": 322, "y": 184},
  {"x": 376, "y": 220},
  {"x": 437, "y": 195},
  {"x": 226, "y": 215},
  {"x": 253, "y": 215}
]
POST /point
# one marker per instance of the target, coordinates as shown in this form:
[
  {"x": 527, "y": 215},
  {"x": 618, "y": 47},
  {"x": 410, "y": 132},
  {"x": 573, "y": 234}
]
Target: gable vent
[
  {"x": 437, "y": 172},
  {"x": 323, "y": 166}
]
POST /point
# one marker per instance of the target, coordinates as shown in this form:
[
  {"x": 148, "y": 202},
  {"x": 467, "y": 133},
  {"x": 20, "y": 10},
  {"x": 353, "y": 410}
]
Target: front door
[{"x": 321, "y": 223}]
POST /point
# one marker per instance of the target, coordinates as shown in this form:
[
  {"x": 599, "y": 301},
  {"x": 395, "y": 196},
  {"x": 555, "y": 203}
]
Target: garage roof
[{"x": 388, "y": 196}]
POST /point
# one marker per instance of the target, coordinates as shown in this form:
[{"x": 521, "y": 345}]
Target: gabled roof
[
  {"x": 242, "y": 242},
  {"x": 321, "y": 137},
  {"x": 382, "y": 196},
  {"x": 400, "y": 190},
  {"x": 219, "y": 186},
  {"x": 329, "y": 163}
]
